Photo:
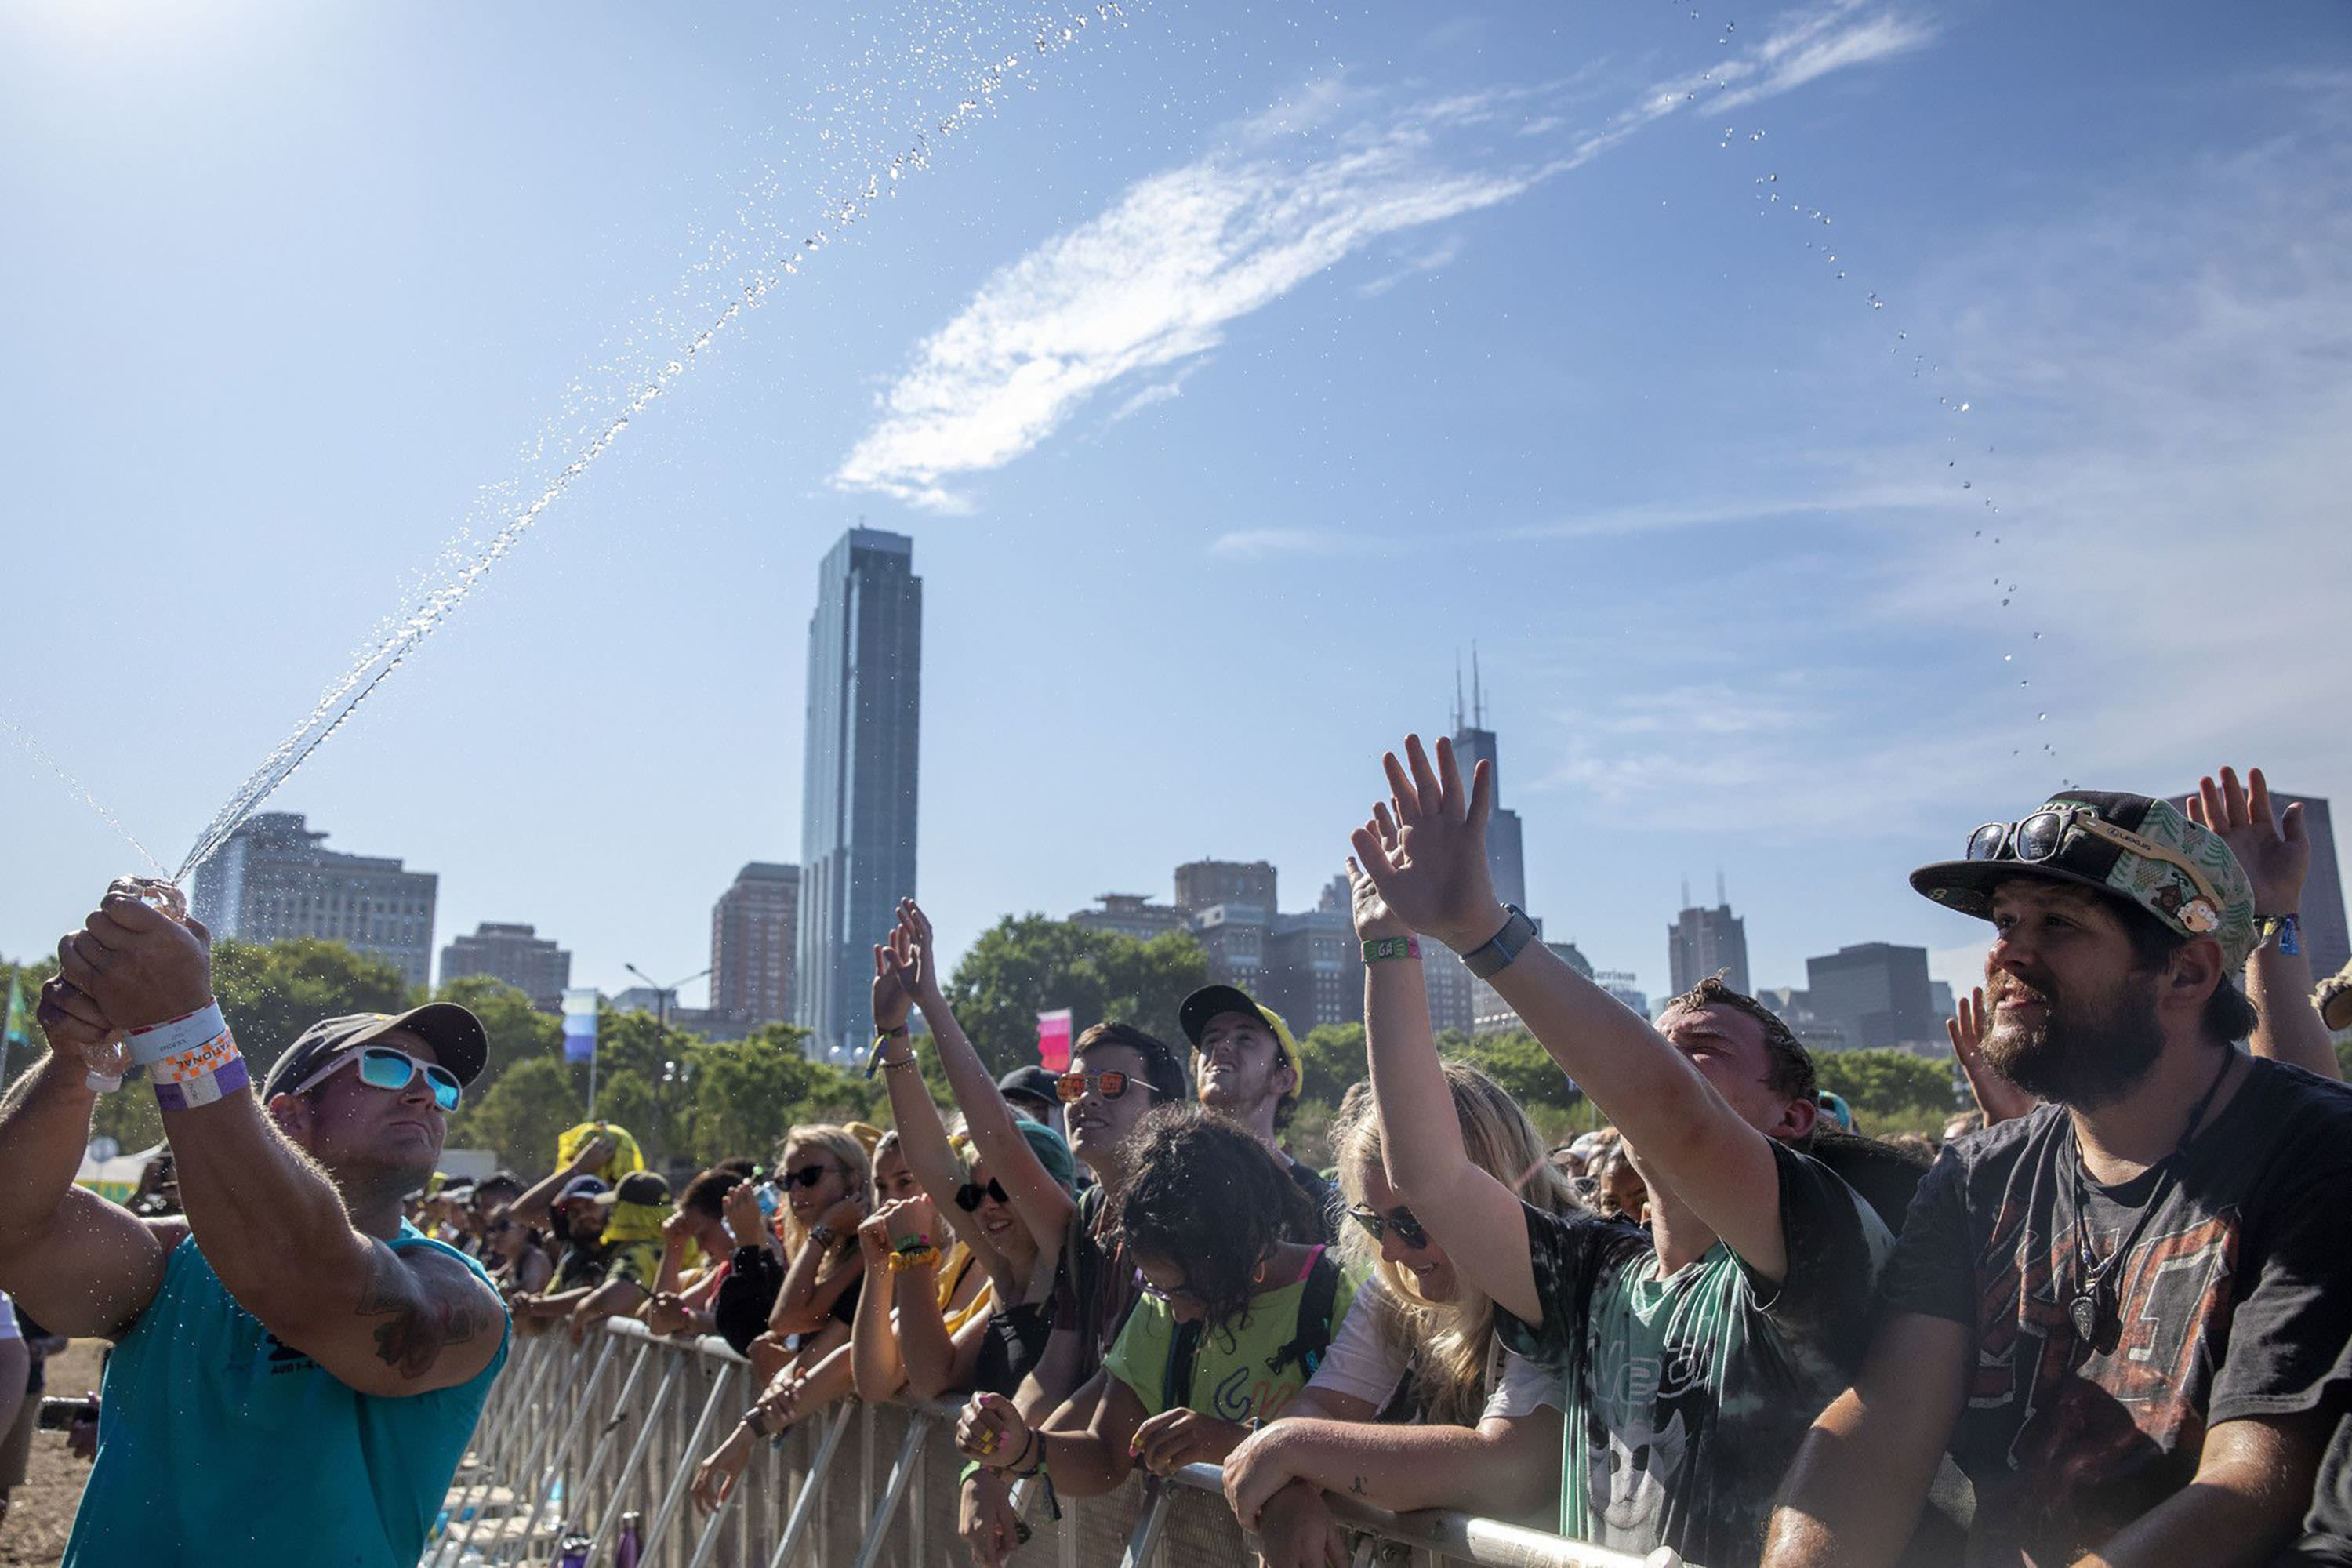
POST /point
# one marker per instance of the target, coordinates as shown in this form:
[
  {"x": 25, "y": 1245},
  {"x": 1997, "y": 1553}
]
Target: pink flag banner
[{"x": 1053, "y": 1040}]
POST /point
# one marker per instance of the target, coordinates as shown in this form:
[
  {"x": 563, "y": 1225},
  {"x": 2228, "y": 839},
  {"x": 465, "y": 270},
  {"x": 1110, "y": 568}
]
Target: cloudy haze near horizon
[{"x": 1833, "y": 424}]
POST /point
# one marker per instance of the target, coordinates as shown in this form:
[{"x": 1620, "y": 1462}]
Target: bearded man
[{"x": 2117, "y": 1311}]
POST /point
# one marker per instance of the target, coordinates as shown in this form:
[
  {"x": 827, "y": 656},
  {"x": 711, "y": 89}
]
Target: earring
[{"x": 1257, "y": 1275}]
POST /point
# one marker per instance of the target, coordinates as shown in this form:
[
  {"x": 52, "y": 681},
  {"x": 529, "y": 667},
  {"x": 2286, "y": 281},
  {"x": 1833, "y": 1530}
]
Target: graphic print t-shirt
[
  {"x": 2231, "y": 1304},
  {"x": 1688, "y": 1396},
  {"x": 1233, "y": 1377}
]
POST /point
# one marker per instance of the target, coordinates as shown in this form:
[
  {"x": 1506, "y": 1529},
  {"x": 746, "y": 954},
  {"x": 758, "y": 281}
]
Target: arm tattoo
[
  {"x": 424, "y": 1319},
  {"x": 1358, "y": 1487}
]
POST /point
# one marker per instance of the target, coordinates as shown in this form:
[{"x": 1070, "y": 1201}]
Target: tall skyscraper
[
  {"x": 1877, "y": 995},
  {"x": 517, "y": 955},
  {"x": 273, "y": 879},
  {"x": 754, "y": 932},
  {"x": 1705, "y": 942},
  {"x": 2325, "y": 938},
  {"x": 1475, "y": 743},
  {"x": 857, "y": 804}
]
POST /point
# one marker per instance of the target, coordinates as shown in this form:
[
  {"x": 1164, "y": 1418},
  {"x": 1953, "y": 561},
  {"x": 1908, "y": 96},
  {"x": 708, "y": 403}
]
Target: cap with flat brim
[
  {"x": 1029, "y": 1082},
  {"x": 456, "y": 1036},
  {"x": 1967, "y": 884},
  {"x": 1204, "y": 1005}
]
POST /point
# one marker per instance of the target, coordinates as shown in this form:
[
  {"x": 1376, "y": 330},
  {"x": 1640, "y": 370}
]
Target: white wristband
[{"x": 174, "y": 1036}]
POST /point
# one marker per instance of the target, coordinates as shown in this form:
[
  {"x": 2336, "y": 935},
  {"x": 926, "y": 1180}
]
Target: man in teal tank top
[{"x": 297, "y": 1369}]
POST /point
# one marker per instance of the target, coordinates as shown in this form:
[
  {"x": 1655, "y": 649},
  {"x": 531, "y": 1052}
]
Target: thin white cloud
[
  {"x": 1156, "y": 278},
  {"x": 1444, "y": 254},
  {"x": 1257, "y": 544}
]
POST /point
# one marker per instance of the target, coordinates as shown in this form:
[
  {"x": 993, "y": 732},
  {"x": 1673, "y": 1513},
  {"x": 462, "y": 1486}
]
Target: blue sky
[{"x": 1233, "y": 368}]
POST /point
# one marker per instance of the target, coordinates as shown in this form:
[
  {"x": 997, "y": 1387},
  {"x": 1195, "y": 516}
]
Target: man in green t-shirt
[{"x": 1695, "y": 1355}]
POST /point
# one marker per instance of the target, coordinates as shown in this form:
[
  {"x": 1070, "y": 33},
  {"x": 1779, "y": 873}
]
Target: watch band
[{"x": 1495, "y": 954}]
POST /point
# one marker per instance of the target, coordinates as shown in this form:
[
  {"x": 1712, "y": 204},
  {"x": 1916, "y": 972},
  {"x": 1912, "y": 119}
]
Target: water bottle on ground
[
  {"x": 625, "y": 1548},
  {"x": 575, "y": 1552}
]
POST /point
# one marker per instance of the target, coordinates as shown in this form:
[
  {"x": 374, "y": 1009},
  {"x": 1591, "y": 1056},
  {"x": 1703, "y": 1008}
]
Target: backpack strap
[
  {"x": 1314, "y": 1332},
  {"x": 1176, "y": 1384}
]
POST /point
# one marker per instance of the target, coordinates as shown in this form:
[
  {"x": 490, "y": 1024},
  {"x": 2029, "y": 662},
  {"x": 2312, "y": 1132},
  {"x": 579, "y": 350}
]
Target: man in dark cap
[
  {"x": 2122, "y": 1312},
  {"x": 296, "y": 1368}
]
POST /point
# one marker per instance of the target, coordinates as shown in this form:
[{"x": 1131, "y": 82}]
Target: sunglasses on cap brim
[
  {"x": 388, "y": 1068},
  {"x": 2039, "y": 837}
]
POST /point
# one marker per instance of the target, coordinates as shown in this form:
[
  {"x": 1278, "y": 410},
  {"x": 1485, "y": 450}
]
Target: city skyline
[{"x": 1233, "y": 374}]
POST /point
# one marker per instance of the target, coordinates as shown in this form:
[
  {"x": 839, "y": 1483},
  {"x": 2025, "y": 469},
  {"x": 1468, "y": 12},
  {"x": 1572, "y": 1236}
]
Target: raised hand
[
  {"x": 2275, "y": 851},
  {"x": 1374, "y": 920},
  {"x": 1999, "y": 1099},
  {"x": 916, "y": 953},
  {"x": 745, "y": 1217},
  {"x": 138, "y": 965},
  {"x": 69, "y": 1019},
  {"x": 892, "y": 999},
  {"x": 1424, "y": 849}
]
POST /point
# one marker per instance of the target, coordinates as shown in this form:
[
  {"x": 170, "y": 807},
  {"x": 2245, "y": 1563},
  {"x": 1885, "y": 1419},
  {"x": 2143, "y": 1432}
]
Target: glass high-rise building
[{"x": 858, "y": 800}]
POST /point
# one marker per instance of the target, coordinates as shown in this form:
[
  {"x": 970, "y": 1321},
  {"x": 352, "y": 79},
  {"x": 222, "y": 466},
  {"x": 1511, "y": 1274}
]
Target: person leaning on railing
[
  {"x": 1417, "y": 1405},
  {"x": 1234, "y": 1317},
  {"x": 682, "y": 1302},
  {"x": 825, "y": 1174}
]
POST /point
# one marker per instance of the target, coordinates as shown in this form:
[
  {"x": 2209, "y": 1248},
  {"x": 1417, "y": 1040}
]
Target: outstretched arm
[
  {"x": 79, "y": 1263},
  {"x": 1480, "y": 1222},
  {"x": 1503, "y": 1467},
  {"x": 533, "y": 1207},
  {"x": 1432, "y": 871},
  {"x": 2276, "y": 853},
  {"x": 1038, "y": 1199},
  {"x": 1852, "y": 1496},
  {"x": 272, "y": 1226}
]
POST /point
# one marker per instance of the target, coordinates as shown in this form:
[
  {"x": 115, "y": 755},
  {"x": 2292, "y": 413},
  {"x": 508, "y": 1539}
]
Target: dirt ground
[{"x": 40, "y": 1513}]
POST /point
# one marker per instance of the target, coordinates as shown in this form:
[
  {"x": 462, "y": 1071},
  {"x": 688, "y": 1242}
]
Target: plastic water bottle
[
  {"x": 111, "y": 1059},
  {"x": 625, "y": 1548}
]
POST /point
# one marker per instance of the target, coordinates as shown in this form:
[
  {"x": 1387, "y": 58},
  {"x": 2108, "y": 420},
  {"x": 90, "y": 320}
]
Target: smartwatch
[{"x": 1495, "y": 955}]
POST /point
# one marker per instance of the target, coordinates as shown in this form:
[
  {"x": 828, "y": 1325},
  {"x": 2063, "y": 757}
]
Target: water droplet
[
  {"x": 1840, "y": 274},
  {"x": 1966, "y": 485},
  {"x": 1774, "y": 178},
  {"x": 2043, "y": 720},
  {"x": 2026, "y": 683},
  {"x": 1964, "y": 408},
  {"x": 2007, "y": 657},
  {"x": 2037, "y": 636},
  {"x": 2004, "y": 603}
]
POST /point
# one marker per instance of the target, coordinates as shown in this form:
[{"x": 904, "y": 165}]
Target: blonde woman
[
  {"x": 1415, "y": 1405},
  {"x": 826, "y": 1178}
]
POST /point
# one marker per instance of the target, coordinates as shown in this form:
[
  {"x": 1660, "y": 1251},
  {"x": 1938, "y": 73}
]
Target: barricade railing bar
[{"x": 573, "y": 1437}]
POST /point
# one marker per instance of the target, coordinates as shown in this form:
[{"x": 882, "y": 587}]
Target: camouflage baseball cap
[{"x": 2128, "y": 846}]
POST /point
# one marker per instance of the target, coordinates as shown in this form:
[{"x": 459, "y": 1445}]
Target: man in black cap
[
  {"x": 2120, "y": 1313},
  {"x": 296, "y": 1369},
  {"x": 1030, "y": 1091},
  {"x": 1246, "y": 1067}
]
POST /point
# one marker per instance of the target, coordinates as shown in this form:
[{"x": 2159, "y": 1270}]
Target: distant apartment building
[
  {"x": 1490, "y": 1015},
  {"x": 1203, "y": 884},
  {"x": 859, "y": 793},
  {"x": 2326, "y": 940},
  {"x": 1794, "y": 1007},
  {"x": 274, "y": 879},
  {"x": 1234, "y": 938},
  {"x": 1877, "y": 994},
  {"x": 1131, "y": 914},
  {"x": 1705, "y": 942},
  {"x": 517, "y": 955},
  {"x": 1315, "y": 969},
  {"x": 754, "y": 941}
]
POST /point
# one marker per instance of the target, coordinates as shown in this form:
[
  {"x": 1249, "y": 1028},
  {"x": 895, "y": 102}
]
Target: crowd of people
[{"x": 2100, "y": 1321}]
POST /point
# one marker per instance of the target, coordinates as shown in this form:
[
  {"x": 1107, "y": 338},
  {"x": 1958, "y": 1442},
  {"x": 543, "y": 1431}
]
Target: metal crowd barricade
[{"x": 573, "y": 1437}]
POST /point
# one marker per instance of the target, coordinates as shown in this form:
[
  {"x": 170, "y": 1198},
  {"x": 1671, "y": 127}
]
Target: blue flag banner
[{"x": 580, "y": 1023}]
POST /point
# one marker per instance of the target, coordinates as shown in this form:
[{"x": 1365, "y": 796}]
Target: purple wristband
[{"x": 204, "y": 1090}]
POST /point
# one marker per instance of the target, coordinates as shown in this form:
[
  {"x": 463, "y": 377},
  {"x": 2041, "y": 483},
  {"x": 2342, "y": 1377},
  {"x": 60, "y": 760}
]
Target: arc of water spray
[
  {"x": 41, "y": 754},
  {"x": 344, "y": 696}
]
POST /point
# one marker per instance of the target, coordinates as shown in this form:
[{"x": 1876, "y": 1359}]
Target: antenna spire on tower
[
  {"x": 1722, "y": 899},
  {"x": 1457, "y": 692},
  {"x": 1477, "y": 694}
]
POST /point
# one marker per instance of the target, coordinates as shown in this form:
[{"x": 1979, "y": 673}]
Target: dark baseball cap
[
  {"x": 637, "y": 1187},
  {"x": 1208, "y": 1000},
  {"x": 456, "y": 1036},
  {"x": 581, "y": 1187},
  {"x": 1031, "y": 1082},
  {"x": 2130, "y": 847}
]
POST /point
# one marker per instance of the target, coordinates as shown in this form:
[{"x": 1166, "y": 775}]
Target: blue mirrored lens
[{"x": 387, "y": 1068}]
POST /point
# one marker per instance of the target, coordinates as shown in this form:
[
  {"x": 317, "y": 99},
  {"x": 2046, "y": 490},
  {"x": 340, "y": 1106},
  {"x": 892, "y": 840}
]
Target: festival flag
[
  {"x": 1053, "y": 1040},
  {"x": 18, "y": 1030},
  {"x": 580, "y": 1023}
]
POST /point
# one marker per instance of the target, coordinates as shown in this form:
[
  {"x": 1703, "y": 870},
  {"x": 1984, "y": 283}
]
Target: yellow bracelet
[{"x": 923, "y": 1257}]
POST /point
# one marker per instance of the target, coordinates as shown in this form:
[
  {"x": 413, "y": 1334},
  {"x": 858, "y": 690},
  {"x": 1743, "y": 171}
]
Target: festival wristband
[
  {"x": 1381, "y": 947},
  {"x": 184, "y": 1085},
  {"x": 907, "y": 1259},
  {"x": 174, "y": 1035},
  {"x": 2288, "y": 929}
]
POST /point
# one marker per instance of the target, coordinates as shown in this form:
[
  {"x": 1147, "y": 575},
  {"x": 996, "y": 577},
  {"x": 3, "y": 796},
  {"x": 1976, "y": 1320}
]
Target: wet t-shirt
[
  {"x": 2232, "y": 1304},
  {"x": 1687, "y": 1396}
]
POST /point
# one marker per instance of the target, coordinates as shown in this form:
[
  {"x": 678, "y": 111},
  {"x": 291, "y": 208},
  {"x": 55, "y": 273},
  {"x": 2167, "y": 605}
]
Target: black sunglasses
[
  {"x": 1408, "y": 1229},
  {"x": 806, "y": 1176},
  {"x": 967, "y": 1195}
]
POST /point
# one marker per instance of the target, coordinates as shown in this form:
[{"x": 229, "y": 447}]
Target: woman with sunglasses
[
  {"x": 1416, "y": 1405},
  {"x": 1234, "y": 1318},
  {"x": 519, "y": 1264},
  {"x": 825, "y": 1177}
]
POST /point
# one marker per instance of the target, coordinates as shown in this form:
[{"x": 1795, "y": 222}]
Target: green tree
[
  {"x": 518, "y": 1031},
  {"x": 271, "y": 991},
  {"x": 1333, "y": 1055},
  {"x": 29, "y": 978},
  {"x": 1028, "y": 965},
  {"x": 520, "y": 1116},
  {"x": 744, "y": 1093},
  {"x": 1891, "y": 1090},
  {"x": 1517, "y": 1062}
]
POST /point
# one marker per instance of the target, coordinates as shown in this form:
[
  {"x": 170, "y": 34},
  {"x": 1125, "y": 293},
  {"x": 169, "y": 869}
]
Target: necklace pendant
[{"x": 2084, "y": 1310}]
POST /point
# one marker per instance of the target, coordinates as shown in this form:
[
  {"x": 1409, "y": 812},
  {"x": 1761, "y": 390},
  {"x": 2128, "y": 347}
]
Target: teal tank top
[{"x": 221, "y": 1446}]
